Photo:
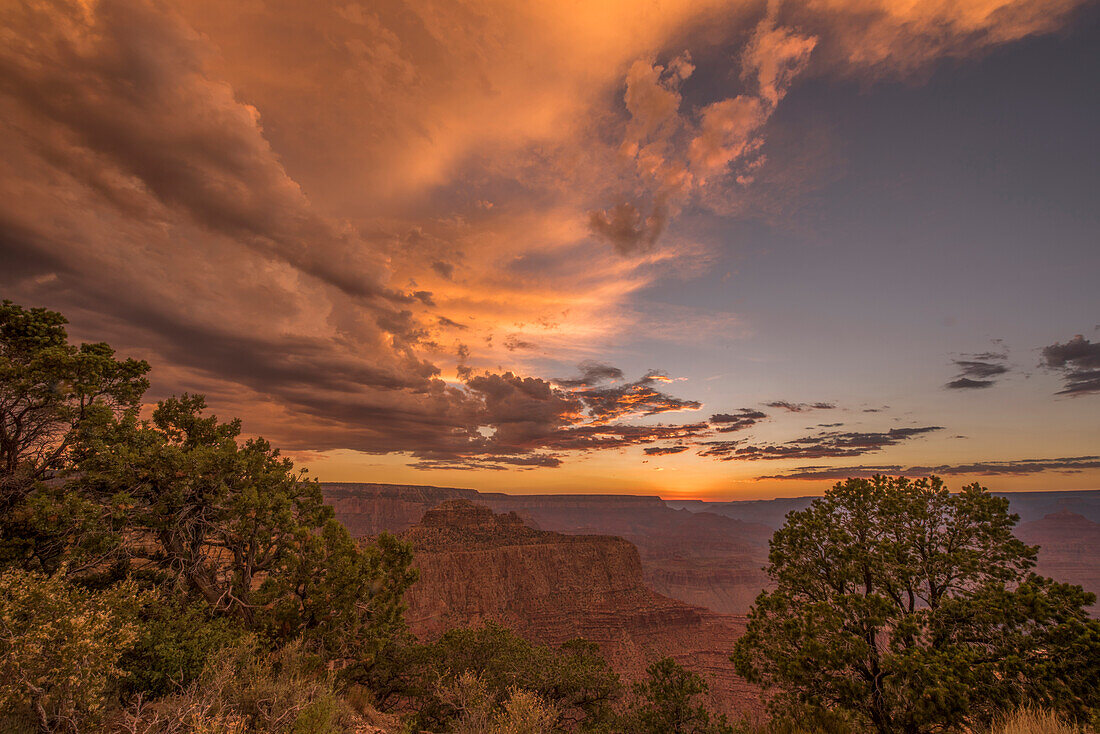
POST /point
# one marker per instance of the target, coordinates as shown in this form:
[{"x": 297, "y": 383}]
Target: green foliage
[
  {"x": 177, "y": 638},
  {"x": 522, "y": 712},
  {"x": 247, "y": 690},
  {"x": 49, "y": 388},
  {"x": 573, "y": 679},
  {"x": 60, "y": 646},
  {"x": 239, "y": 528},
  {"x": 901, "y": 607},
  {"x": 667, "y": 703}
]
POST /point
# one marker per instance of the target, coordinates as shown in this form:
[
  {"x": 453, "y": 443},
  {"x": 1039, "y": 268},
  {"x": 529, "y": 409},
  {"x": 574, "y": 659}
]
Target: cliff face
[
  {"x": 700, "y": 558},
  {"x": 369, "y": 509},
  {"x": 476, "y": 566}
]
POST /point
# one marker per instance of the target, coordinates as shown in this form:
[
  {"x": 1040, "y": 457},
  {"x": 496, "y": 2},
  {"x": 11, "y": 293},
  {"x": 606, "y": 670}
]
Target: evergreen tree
[{"x": 900, "y": 606}]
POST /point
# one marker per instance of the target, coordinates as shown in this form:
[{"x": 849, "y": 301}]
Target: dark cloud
[
  {"x": 1066, "y": 465},
  {"x": 618, "y": 435},
  {"x": 739, "y": 421},
  {"x": 835, "y": 473},
  {"x": 965, "y": 383},
  {"x": 719, "y": 449},
  {"x": 120, "y": 97},
  {"x": 513, "y": 343},
  {"x": 450, "y": 323},
  {"x": 444, "y": 269},
  {"x": 822, "y": 445},
  {"x": 492, "y": 463},
  {"x": 665, "y": 450},
  {"x": 799, "y": 407},
  {"x": 977, "y": 371},
  {"x": 591, "y": 373},
  {"x": 626, "y": 230},
  {"x": 1079, "y": 362},
  {"x": 634, "y": 398}
]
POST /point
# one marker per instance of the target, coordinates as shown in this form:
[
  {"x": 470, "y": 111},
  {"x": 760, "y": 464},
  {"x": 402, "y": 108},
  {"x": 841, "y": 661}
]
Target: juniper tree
[
  {"x": 235, "y": 523},
  {"x": 904, "y": 608},
  {"x": 49, "y": 388}
]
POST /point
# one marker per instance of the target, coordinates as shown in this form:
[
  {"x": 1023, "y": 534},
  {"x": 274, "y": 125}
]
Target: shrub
[
  {"x": 60, "y": 647},
  {"x": 245, "y": 689},
  {"x": 667, "y": 703},
  {"x": 522, "y": 712},
  {"x": 574, "y": 679},
  {"x": 177, "y": 638}
]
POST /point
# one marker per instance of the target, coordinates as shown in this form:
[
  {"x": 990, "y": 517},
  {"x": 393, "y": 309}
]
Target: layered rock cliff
[
  {"x": 549, "y": 587},
  {"x": 700, "y": 558}
]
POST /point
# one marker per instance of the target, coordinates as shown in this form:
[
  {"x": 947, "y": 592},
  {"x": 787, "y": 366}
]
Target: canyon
[
  {"x": 477, "y": 566},
  {"x": 642, "y": 577},
  {"x": 700, "y": 558},
  {"x": 711, "y": 554}
]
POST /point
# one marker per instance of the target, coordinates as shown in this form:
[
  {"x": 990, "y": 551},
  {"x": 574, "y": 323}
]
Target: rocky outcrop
[
  {"x": 369, "y": 509},
  {"x": 549, "y": 587},
  {"x": 697, "y": 557}
]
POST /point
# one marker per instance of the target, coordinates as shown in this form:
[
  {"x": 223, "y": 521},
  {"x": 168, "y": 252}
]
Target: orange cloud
[{"x": 340, "y": 209}]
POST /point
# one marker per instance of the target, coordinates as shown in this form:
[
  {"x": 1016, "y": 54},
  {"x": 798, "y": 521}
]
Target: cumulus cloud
[
  {"x": 233, "y": 194},
  {"x": 1068, "y": 465},
  {"x": 1079, "y": 362}
]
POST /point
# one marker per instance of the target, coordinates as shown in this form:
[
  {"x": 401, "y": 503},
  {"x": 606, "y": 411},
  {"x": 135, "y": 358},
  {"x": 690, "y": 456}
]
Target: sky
[{"x": 705, "y": 249}]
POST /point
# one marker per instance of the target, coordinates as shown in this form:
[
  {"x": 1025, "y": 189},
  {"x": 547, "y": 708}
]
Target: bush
[
  {"x": 245, "y": 689},
  {"x": 60, "y": 647},
  {"x": 667, "y": 703},
  {"x": 177, "y": 639},
  {"x": 574, "y": 679},
  {"x": 522, "y": 712}
]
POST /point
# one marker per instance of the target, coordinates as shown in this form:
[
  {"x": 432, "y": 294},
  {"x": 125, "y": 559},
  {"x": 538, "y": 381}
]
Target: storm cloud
[{"x": 294, "y": 213}]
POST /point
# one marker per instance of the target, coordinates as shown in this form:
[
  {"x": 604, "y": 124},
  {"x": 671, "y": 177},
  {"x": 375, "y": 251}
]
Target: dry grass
[{"x": 1035, "y": 721}]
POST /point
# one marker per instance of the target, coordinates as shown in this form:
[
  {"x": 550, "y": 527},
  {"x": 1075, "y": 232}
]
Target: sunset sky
[{"x": 710, "y": 249}]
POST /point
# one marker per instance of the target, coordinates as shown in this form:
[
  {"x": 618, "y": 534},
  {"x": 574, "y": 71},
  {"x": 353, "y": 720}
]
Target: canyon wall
[
  {"x": 549, "y": 587},
  {"x": 711, "y": 554},
  {"x": 701, "y": 558}
]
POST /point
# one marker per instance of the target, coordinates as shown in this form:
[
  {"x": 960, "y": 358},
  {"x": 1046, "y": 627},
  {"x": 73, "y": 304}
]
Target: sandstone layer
[
  {"x": 700, "y": 558},
  {"x": 550, "y": 587}
]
